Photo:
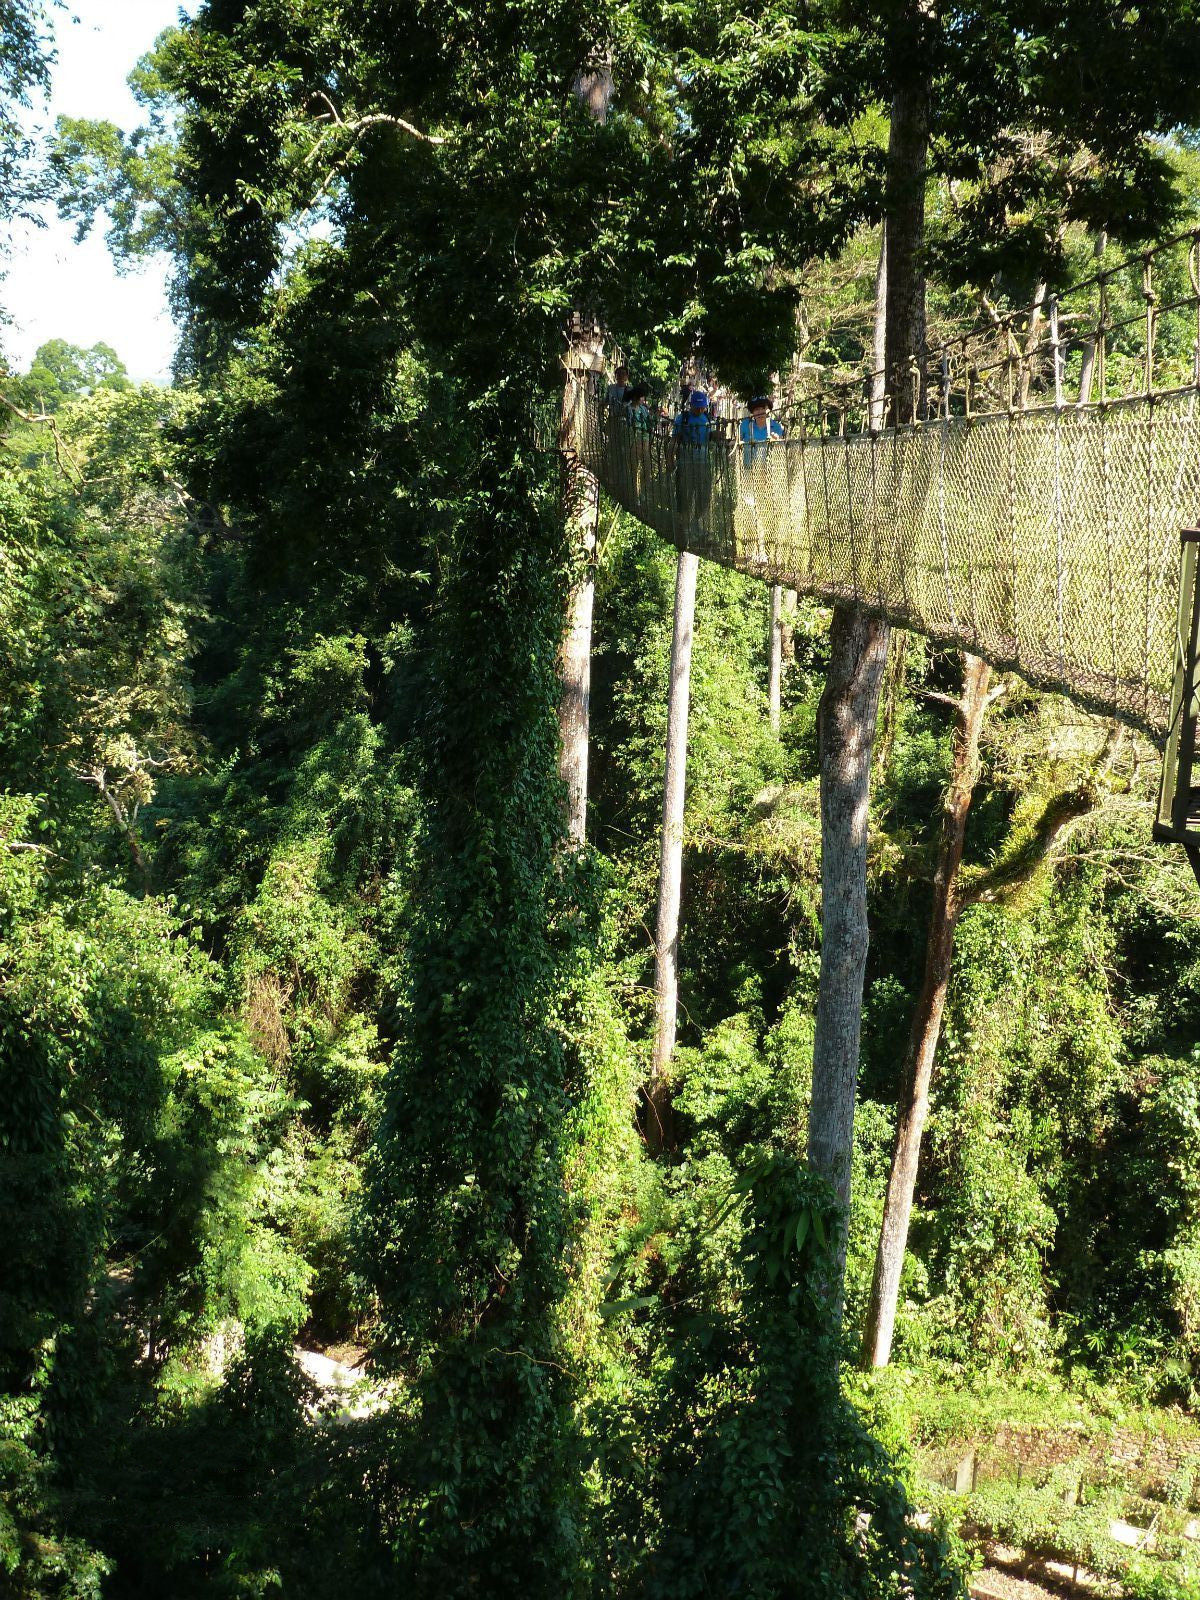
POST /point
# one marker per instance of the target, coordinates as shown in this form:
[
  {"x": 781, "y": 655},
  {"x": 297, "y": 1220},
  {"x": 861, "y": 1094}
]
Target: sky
[{"x": 55, "y": 288}]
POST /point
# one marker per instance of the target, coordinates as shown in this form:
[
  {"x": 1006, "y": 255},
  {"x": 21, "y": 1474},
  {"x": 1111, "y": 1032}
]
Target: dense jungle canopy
[{"x": 353, "y": 1243}]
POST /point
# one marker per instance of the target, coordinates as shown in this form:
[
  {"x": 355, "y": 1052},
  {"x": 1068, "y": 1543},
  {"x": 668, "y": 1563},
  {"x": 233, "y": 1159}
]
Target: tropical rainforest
[{"x": 325, "y": 1039}]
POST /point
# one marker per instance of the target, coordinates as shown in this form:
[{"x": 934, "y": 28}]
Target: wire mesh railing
[{"x": 1031, "y": 515}]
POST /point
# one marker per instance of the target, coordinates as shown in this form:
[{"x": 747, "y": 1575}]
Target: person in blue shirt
[
  {"x": 690, "y": 437},
  {"x": 758, "y": 429},
  {"x": 693, "y": 427}
]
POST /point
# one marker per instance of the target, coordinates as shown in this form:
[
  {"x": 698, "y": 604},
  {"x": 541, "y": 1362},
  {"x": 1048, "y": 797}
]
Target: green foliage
[
  {"x": 61, "y": 372},
  {"x": 25, "y": 60},
  {"x": 741, "y": 1400},
  {"x": 316, "y": 1030},
  {"x": 164, "y": 1197}
]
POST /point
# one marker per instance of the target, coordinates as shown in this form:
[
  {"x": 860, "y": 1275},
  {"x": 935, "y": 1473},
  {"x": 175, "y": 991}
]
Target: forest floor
[
  {"x": 1105, "y": 1489},
  {"x": 992, "y": 1584}
]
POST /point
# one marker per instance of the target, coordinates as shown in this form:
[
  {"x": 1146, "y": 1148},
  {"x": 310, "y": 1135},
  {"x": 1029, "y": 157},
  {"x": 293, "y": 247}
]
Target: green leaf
[{"x": 633, "y": 1302}]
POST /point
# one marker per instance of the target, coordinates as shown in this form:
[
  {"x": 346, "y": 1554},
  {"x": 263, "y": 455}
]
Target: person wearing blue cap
[
  {"x": 691, "y": 436},
  {"x": 694, "y": 423}
]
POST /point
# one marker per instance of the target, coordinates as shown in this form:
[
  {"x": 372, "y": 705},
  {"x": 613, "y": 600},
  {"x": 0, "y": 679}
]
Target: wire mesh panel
[{"x": 1046, "y": 540}]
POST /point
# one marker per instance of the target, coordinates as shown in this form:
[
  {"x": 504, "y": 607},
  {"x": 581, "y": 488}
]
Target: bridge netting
[
  {"x": 1046, "y": 541},
  {"x": 1030, "y": 515}
]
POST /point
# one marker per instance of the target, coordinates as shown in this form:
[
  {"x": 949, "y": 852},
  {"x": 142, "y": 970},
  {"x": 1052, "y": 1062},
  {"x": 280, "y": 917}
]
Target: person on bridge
[
  {"x": 758, "y": 429},
  {"x": 618, "y": 389},
  {"x": 759, "y": 493},
  {"x": 691, "y": 436},
  {"x": 693, "y": 427},
  {"x": 637, "y": 407},
  {"x": 638, "y": 415}
]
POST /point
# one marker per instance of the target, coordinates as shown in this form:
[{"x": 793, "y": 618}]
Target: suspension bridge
[{"x": 1031, "y": 515}]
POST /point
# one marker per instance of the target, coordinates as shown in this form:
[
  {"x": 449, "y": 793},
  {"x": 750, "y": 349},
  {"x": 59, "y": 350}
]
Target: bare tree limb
[{"x": 43, "y": 419}]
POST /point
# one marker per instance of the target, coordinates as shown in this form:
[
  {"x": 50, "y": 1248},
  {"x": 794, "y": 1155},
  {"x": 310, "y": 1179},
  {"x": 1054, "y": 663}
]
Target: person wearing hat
[
  {"x": 694, "y": 425},
  {"x": 758, "y": 429},
  {"x": 691, "y": 436}
]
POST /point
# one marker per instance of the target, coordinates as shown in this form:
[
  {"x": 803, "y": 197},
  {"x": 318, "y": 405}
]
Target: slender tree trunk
[
  {"x": 1087, "y": 366},
  {"x": 927, "y": 1017},
  {"x": 666, "y": 965},
  {"x": 877, "y": 409},
  {"x": 775, "y": 658},
  {"x": 858, "y": 647},
  {"x": 1032, "y": 338},
  {"x": 97, "y": 777},
  {"x": 582, "y": 499}
]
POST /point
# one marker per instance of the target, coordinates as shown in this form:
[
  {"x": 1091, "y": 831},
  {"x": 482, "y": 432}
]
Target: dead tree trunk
[
  {"x": 97, "y": 776},
  {"x": 858, "y": 647},
  {"x": 927, "y": 1017},
  {"x": 1032, "y": 339},
  {"x": 666, "y": 964},
  {"x": 775, "y": 659}
]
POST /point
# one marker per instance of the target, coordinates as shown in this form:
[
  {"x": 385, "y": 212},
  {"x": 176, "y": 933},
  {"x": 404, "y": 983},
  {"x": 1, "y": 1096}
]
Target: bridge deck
[{"x": 1046, "y": 541}]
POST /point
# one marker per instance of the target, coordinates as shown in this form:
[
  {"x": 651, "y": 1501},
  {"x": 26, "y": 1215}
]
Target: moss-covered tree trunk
[
  {"x": 581, "y": 505},
  {"x": 469, "y": 1227}
]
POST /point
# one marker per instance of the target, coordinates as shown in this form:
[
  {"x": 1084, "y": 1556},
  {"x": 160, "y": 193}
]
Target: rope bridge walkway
[{"x": 1030, "y": 516}]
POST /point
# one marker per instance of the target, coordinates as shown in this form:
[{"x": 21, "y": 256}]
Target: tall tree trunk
[
  {"x": 907, "y": 167},
  {"x": 581, "y": 503},
  {"x": 775, "y": 658},
  {"x": 666, "y": 965},
  {"x": 582, "y": 499},
  {"x": 858, "y": 647},
  {"x": 927, "y": 1017}
]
